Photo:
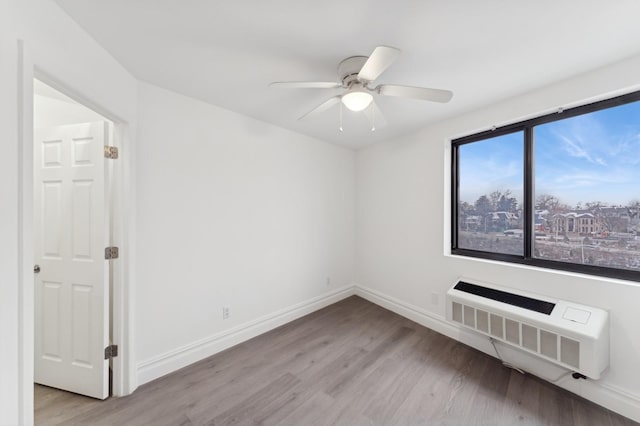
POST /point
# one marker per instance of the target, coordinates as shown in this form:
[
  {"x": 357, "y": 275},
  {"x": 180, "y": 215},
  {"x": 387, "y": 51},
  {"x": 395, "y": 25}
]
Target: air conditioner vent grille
[
  {"x": 530, "y": 337},
  {"x": 560, "y": 349},
  {"x": 565, "y": 333},
  {"x": 497, "y": 326}
]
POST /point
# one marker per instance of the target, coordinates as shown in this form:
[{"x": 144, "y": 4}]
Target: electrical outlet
[{"x": 226, "y": 313}]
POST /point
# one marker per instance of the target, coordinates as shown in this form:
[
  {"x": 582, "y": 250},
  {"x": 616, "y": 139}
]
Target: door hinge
[
  {"x": 111, "y": 351},
  {"x": 111, "y": 253},
  {"x": 111, "y": 152}
]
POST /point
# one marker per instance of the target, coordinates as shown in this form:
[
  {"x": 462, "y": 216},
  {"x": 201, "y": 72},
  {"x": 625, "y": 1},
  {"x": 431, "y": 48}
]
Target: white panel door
[{"x": 71, "y": 233}]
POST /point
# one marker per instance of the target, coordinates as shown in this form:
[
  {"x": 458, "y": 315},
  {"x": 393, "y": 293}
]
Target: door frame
[{"x": 122, "y": 228}]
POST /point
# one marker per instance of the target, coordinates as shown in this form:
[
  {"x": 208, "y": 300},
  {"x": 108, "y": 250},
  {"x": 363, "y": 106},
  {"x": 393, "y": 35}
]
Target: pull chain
[
  {"x": 340, "y": 117},
  {"x": 373, "y": 118}
]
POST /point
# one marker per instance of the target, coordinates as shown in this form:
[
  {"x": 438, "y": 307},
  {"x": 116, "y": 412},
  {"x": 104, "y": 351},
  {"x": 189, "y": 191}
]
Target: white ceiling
[{"x": 227, "y": 52}]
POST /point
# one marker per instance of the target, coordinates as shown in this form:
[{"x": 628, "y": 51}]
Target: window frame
[{"x": 527, "y": 128}]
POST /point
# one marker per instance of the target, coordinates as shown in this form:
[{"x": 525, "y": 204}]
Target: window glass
[
  {"x": 587, "y": 188},
  {"x": 560, "y": 191},
  {"x": 490, "y": 195}
]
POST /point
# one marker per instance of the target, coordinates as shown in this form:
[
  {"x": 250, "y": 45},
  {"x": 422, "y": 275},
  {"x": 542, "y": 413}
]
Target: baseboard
[
  {"x": 609, "y": 396},
  {"x": 173, "y": 360},
  {"x": 606, "y": 395}
]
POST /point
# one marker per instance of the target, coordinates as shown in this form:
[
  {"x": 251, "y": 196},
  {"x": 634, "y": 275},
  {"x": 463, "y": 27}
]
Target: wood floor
[{"x": 352, "y": 363}]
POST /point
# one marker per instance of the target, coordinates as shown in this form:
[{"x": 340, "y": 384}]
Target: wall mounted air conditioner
[{"x": 568, "y": 334}]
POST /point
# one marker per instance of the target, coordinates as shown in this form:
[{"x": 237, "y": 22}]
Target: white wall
[
  {"x": 60, "y": 49},
  {"x": 9, "y": 290},
  {"x": 239, "y": 213},
  {"x": 279, "y": 222},
  {"x": 232, "y": 212},
  {"x": 403, "y": 233}
]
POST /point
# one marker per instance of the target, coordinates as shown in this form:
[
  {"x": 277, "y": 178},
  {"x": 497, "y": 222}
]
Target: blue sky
[
  {"x": 592, "y": 157},
  {"x": 493, "y": 164}
]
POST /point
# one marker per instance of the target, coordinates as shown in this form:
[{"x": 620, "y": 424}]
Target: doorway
[{"x": 73, "y": 211}]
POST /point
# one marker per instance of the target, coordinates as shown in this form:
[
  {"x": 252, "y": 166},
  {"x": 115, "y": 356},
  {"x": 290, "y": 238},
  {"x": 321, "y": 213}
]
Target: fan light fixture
[
  {"x": 356, "y": 75},
  {"x": 357, "y": 99}
]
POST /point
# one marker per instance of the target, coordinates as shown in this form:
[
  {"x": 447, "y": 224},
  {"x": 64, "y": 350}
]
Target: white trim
[
  {"x": 25, "y": 234},
  {"x": 609, "y": 396},
  {"x": 123, "y": 366},
  {"x": 124, "y": 379},
  {"x": 122, "y": 234},
  {"x": 173, "y": 360}
]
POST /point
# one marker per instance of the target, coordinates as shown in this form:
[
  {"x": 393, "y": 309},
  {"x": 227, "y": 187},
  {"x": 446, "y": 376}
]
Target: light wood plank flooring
[{"x": 352, "y": 363}]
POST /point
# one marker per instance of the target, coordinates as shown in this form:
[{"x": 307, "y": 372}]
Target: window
[
  {"x": 490, "y": 195},
  {"x": 560, "y": 191}
]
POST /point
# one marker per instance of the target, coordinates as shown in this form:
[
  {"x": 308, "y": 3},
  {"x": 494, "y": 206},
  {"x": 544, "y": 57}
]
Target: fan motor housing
[{"x": 349, "y": 68}]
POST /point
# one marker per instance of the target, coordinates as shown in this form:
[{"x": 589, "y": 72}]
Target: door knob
[{"x": 36, "y": 269}]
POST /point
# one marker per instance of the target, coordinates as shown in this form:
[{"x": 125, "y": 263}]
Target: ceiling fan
[{"x": 356, "y": 75}]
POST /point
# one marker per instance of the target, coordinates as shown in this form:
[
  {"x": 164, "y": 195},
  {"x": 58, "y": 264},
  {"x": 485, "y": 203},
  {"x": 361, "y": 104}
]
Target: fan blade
[
  {"x": 380, "y": 59},
  {"x": 322, "y": 107},
  {"x": 423, "y": 93},
  {"x": 305, "y": 84}
]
